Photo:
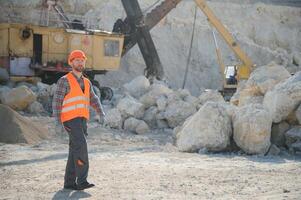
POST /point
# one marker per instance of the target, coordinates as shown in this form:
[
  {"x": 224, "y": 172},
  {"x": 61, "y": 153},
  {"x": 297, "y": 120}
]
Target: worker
[{"x": 71, "y": 101}]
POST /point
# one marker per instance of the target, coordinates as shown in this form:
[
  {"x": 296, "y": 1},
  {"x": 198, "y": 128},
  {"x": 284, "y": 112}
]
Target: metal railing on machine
[{"x": 42, "y": 17}]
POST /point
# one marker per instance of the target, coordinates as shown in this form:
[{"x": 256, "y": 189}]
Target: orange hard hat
[{"x": 76, "y": 54}]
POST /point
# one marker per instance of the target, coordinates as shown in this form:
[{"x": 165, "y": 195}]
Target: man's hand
[
  {"x": 101, "y": 119},
  {"x": 67, "y": 129}
]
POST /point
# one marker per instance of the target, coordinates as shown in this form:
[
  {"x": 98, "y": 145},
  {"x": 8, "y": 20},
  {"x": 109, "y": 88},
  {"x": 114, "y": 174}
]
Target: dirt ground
[{"x": 128, "y": 166}]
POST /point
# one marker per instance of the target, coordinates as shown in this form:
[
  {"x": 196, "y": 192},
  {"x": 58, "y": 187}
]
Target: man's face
[{"x": 78, "y": 64}]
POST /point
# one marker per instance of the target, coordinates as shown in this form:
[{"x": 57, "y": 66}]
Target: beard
[{"x": 79, "y": 68}]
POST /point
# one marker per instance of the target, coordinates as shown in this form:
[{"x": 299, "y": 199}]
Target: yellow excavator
[{"x": 44, "y": 49}]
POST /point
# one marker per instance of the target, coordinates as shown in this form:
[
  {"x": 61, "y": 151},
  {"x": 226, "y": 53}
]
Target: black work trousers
[{"x": 78, "y": 163}]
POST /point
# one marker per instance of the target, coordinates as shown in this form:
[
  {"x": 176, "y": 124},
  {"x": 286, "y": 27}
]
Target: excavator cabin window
[
  {"x": 231, "y": 75},
  {"x": 111, "y": 48}
]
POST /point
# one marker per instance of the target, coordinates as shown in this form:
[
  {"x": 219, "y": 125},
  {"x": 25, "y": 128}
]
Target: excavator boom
[{"x": 247, "y": 64}]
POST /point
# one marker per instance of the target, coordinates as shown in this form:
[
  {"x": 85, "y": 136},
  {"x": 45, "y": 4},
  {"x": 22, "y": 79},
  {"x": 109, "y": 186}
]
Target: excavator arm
[
  {"x": 136, "y": 27},
  {"x": 247, "y": 65}
]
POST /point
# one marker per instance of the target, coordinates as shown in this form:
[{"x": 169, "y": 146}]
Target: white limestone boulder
[
  {"x": 284, "y": 98},
  {"x": 155, "y": 91},
  {"x": 177, "y": 112},
  {"x": 150, "y": 116},
  {"x": 135, "y": 125},
  {"x": 192, "y": 100},
  {"x": 161, "y": 103},
  {"x": 235, "y": 98},
  {"x": 130, "y": 106},
  {"x": 114, "y": 118},
  {"x": 45, "y": 94},
  {"x": 210, "y": 95},
  {"x": 36, "y": 108},
  {"x": 293, "y": 135},
  {"x": 252, "y": 129},
  {"x": 138, "y": 86},
  {"x": 19, "y": 98},
  {"x": 249, "y": 96},
  {"x": 209, "y": 128},
  {"x": 264, "y": 78}
]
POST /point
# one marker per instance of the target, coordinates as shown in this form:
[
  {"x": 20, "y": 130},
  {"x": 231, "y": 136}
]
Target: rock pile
[
  {"x": 18, "y": 129},
  {"x": 31, "y": 98},
  {"x": 268, "y": 109},
  {"x": 263, "y": 116}
]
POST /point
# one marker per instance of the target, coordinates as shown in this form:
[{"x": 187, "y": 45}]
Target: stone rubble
[{"x": 262, "y": 117}]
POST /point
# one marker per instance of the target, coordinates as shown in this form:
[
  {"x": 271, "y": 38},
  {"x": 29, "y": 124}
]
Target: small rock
[
  {"x": 277, "y": 134},
  {"x": 35, "y": 108},
  {"x": 161, "y": 103},
  {"x": 150, "y": 116},
  {"x": 113, "y": 118},
  {"x": 274, "y": 150},
  {"x": 137, "y": 86},
  {"x": 19, "y": 98},
  {"x": 293, "y": 135},
  {"x": 129, "y": 106},
  {"x": 177, "y": 112},
  {"x": 210, "y": 95},
  {"x": 135, "y": 125},
  {"x": 155, "y": 91},
  {"x": 142, "y": 128}
]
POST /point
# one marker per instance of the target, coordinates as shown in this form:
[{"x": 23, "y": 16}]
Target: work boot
[
  {"x": 70, "y": 187},
  {"x": 84, "y": 185}
]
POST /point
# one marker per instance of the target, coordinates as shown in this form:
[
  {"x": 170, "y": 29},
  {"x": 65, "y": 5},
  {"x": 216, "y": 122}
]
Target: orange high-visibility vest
[{"x": 76, "y": 103}]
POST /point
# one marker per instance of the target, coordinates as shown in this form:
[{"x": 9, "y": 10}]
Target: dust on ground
[{"x": 128, "y": 166}]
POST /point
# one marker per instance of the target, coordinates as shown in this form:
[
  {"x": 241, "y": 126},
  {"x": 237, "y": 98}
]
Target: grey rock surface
[
  {"x": 252, "y": 129},
  {"x": 138, "y": 86},
  {"x": 209, "y": 128},
  {"x": 114, "y": 118},
  {"x": 130, "y": 106},
  {"x": 19, "y": 98},
  {"x": 277, "y": 134},
  {"x": 284, "y": 98}
]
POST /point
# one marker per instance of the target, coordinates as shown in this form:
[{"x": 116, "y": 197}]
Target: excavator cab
[
  {"x": 40, "y": 50},
  {"x": 231, "y": 75}
]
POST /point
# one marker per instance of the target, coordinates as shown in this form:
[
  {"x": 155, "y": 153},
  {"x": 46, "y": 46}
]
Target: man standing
[{"x": 71, "y": 101}]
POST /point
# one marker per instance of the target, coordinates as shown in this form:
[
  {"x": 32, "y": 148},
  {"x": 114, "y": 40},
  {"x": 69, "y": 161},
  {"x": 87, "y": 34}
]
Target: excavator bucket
[{"x": 139, "y": 32}]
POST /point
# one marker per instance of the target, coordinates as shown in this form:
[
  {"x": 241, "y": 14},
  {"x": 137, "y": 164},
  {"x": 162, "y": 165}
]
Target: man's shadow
[{"x": 70, "y": 194}]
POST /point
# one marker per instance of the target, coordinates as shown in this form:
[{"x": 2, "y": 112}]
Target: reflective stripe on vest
[
  {"x": 73, "y": 99},
  {"x": 76, "y": 103},
  {"x": 76, "y": 106}
]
